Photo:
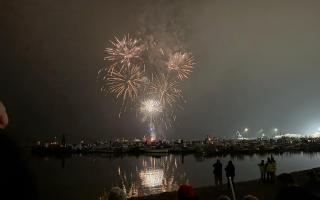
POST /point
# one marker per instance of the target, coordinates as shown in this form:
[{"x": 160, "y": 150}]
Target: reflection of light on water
[{"x": 151, "y": 177}]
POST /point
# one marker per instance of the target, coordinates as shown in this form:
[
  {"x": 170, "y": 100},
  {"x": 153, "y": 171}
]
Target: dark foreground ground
[{"x": 308, "y": 179}]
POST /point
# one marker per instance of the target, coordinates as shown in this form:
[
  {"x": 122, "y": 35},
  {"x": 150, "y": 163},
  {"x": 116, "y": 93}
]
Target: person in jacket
[
  {"x": 267, "y": 168},
  {"x": 217, "y": 171},
  {"x": 230, "y": 173},
  {"x": 273, "y": 169},
  {"x": 262, "y": 170}
]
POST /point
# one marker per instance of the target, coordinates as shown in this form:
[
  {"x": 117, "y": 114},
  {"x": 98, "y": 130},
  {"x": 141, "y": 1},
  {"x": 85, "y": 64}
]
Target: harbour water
[{"x": 91, "y": 176}]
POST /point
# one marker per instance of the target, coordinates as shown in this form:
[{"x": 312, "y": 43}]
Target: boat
[{"x": 157, "y": 150}]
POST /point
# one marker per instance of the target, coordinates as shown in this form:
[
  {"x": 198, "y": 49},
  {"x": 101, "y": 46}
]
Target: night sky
[{"x": 258, "y": 66}]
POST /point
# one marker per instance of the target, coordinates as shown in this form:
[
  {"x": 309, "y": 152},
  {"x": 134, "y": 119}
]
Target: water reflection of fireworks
[{"x": 151, "y": 176}]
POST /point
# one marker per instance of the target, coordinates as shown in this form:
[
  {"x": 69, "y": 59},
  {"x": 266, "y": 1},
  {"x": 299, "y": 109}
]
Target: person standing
[
  {"x": 273, "y": 169},
  {"x": 267, "y": 168},
  {"x": 230, "y": 173},
  {"x": 262, "y": 170},
  {"x": 217, "y": 171}
]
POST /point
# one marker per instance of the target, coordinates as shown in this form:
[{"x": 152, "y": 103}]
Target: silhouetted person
[
  {"x": 262, "y": 170},
  {"x": 267, "y": 169},
  {"x": 217, "y": 171},
  {"x": 230, "y": 172},
  {"x": 273, "y": 169},
  {"x": 16, "y": 181},
  {"x": 272, "y": 159}
]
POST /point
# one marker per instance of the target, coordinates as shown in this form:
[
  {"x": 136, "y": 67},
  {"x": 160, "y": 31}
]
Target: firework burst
[
  {"x": 150, "y": 108},
  {"x": 167, "y": 90},
  {"x": 182, "y": 63},
  {"x": 123, "y": 52},
  {"x": 126, "y": 83},
  {"x": 144, "y": 74}
]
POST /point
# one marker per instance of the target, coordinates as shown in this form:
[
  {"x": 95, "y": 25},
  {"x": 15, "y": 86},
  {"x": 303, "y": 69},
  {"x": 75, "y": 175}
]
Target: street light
[
  {"x": 246, "y": 130},
  {"x": 275, "y": 132}
]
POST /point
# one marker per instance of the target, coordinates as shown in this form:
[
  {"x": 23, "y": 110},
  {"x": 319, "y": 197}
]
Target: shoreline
[
  {"x": 207, "y": 147},
  {"x": 308, "y": 179},
  {"x": 64, "y": 152}
]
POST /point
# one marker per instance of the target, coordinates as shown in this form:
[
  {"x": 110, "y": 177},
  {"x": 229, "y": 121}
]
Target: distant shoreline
[
  {"x": 208, "y": 147},
  {"x": 61, "y": 152}
]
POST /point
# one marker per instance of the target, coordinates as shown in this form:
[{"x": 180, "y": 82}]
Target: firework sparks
[
  {"x": 123, "y": 52},
  {"x": 141, "y": 74},
  {"x": 126, "y": 83},
  {"x": 167, "y": 90},
  {"x": 150, "y": 108},
  {"x": 182, "y": 63}
]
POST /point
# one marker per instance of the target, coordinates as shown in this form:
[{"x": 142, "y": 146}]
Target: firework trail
[{"x": 182, "y": 63}]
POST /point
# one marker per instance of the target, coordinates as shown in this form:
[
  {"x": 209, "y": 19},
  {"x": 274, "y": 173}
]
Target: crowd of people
[{"x": 268, "y": 170}]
